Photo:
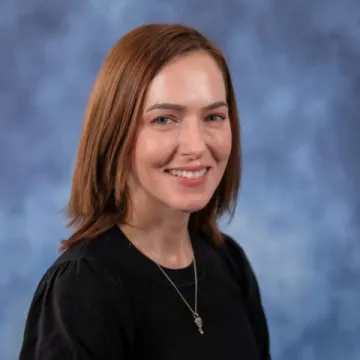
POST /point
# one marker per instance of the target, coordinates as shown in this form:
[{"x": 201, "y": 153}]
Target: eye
[
  {"x": 162, "y": 120},
  {"x": 215, "y": 117}
]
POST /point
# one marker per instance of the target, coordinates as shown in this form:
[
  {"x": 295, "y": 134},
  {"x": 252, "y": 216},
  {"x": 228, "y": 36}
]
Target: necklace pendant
[{"x": 199, "y": 323}]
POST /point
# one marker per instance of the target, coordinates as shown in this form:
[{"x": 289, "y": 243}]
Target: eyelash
[
  {"x": 155, "y": 121},
  {"x": 220, "y": 117}
]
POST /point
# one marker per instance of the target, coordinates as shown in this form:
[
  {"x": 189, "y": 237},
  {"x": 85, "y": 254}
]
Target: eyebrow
[{"x": 177, "y": 107}]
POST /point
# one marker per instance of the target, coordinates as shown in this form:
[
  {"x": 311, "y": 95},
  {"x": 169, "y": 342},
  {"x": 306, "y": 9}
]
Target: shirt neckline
[{"x": 137, "y": 263}]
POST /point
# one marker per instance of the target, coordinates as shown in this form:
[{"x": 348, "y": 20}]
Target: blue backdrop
[{"x": 296, "y": 68}]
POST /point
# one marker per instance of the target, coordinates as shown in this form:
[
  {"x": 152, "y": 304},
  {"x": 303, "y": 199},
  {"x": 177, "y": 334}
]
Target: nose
[{"x": 192, "y": 138}]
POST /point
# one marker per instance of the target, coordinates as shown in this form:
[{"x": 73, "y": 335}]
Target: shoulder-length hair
[{"x": 99, "y": 197}]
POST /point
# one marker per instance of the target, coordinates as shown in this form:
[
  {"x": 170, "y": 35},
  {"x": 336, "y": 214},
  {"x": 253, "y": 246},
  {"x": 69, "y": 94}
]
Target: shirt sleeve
[
  {"x": 79, "y": 311},
  {"x": 252, "y": 298}
]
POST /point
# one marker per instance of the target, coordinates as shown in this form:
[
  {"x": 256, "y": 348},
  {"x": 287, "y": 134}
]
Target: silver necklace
[{"x": 197, "y": 319}]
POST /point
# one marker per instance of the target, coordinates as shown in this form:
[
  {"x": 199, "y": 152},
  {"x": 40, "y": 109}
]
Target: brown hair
[{"x": 98, "y": 198}]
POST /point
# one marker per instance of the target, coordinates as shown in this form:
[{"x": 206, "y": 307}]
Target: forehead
[{"x": 193, "y": 79}]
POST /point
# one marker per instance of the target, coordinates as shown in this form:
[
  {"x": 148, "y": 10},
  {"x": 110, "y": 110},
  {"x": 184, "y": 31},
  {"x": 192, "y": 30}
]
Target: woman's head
[{"x": 163, "y": 103}]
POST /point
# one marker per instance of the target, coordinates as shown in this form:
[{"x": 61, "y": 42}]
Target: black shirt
[{"x": 104, "y": 300}]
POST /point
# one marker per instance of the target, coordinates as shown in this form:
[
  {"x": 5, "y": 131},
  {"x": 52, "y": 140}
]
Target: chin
[{"x": 190, "y": 206}]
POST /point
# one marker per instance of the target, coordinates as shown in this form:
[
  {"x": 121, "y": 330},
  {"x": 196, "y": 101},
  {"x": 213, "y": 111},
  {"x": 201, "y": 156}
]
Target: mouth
[{"x": 188, "y": 174}]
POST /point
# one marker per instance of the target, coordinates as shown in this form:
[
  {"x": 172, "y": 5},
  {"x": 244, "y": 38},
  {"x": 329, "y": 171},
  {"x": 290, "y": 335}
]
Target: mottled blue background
[{"x": 296, "y": 68}]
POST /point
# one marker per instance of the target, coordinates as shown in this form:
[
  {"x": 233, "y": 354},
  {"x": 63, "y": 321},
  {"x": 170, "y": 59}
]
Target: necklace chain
[
  {"x": 197, "y": 319},
  {"x": 194, "y": 312}
]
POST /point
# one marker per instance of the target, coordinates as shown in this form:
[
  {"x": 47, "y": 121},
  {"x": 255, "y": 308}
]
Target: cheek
[
  {"x": 222, "y": 142},
  {"x": 152, "y": 152}
]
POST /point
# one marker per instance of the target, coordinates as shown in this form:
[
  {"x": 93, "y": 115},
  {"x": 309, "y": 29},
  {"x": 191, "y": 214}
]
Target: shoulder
[
  {"x": 105, "y": 248},
  {"x": 84, "y": 268},
  {"x": 81, "y": 302},
  {"x": 247, "y": 280},
  {"x": 232, "y": 245},
  {"x": 87, "y": 267},
  {"x": 80, "y": 288},
  {"x": 234, "y": 250},
  {"x": 237, "y": 260},
  {"x": 81, "y": 278}
]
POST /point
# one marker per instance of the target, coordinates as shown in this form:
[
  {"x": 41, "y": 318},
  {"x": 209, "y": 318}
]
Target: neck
[{"x": 163, "y": 237}]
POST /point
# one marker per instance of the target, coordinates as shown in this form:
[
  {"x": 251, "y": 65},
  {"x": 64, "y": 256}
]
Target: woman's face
[{"x": 184, "y": 136}]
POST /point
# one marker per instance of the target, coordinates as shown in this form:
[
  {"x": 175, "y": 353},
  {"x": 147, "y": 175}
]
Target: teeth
[{"x": 188, "y": 174}]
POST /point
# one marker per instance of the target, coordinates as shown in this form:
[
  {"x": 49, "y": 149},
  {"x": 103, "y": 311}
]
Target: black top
[{"x": 105, "y": 300}]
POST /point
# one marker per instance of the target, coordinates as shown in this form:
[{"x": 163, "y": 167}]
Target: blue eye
[
  {"x": 162, "y": 120},
  {"x": 214, "y": 117}
]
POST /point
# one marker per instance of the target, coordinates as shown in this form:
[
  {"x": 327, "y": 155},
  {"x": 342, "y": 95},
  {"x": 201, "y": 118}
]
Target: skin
[{"x": 195, "y": 131}]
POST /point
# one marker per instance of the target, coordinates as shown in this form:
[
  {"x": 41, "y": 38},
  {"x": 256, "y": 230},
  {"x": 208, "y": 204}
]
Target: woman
[{"x": 147, "y": 273}]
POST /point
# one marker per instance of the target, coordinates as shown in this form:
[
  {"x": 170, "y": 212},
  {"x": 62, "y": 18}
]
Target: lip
[
  {"x": 190, "y": 182},
  {"x": 189, "y": 168}
]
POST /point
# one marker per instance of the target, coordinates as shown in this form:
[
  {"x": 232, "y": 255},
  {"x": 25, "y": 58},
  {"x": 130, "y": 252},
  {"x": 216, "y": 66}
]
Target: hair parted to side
[{"x": 99, "y": 198}]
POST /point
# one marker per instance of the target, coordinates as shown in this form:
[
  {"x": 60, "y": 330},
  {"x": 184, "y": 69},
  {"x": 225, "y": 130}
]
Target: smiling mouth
[{"x": 188, "y": 174}]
